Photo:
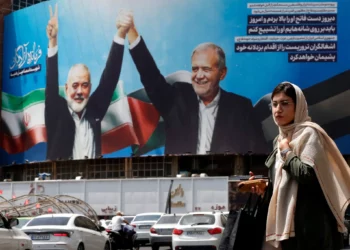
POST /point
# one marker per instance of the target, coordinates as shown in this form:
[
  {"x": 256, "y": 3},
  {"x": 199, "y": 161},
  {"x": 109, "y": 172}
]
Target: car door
[
  {"x": 6, "y": 236},
  {"x": 96, "y": 239}
]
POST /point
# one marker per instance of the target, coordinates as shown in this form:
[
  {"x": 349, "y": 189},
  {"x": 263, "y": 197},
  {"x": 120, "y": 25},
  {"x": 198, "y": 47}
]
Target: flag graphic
[{"x": 128, "y": 121}]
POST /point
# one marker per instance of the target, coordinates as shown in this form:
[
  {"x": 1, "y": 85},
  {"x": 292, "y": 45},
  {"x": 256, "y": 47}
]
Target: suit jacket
[
  {"x": 60, "y": 127},
  {"x": 236, "y": 129}
]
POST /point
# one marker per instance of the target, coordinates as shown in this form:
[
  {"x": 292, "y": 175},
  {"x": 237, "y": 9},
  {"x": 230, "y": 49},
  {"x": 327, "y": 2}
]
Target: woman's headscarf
[{"x": 314, "y": 147}]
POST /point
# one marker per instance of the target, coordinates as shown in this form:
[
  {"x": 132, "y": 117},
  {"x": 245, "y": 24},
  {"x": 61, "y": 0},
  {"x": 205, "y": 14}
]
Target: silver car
[
  {"x": 142, "y": 224},
  {"x": 161, "y": 232}
]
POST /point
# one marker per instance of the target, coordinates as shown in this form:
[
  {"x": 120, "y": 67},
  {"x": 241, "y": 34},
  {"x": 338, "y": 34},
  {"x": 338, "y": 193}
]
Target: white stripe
[
  {"x": 15, "y": 121},
  {"x": 117, "y": 114}
]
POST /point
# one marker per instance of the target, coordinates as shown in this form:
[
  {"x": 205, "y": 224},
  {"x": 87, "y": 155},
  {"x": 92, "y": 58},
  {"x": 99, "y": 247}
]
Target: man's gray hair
[
  {"x": 219, "y": 51},
  {"x": 78, "y": 65}
]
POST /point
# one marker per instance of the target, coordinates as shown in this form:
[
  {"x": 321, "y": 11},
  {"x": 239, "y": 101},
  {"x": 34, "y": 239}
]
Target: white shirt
[
  {"x": 206, "y": 124},
  {"x": 117, "y": 223},
  {"x": 84, "y": 142}
]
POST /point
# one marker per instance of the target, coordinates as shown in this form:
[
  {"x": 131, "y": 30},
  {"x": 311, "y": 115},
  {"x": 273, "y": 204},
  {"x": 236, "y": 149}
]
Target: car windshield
[
  {"x": 147, "y": 217},
  {"x": 197, "y": 219},
  {"x": 49, "y": 221},
  {"x": 129, "y": 218},
  {"x": 169, "y": 219},
  {"x": 22, "y": 222}
]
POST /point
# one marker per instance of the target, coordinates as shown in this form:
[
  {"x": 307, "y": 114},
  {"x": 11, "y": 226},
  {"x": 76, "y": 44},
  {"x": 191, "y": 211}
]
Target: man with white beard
[{"x": 73, "y": 125}]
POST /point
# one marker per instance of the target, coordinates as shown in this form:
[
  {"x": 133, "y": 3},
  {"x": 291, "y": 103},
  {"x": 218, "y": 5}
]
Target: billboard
[{"x": 73, "y": 89}]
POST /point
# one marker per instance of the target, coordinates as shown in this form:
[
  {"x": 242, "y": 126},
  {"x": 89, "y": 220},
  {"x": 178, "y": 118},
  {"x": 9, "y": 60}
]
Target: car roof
[
  {"x": 213, "y": 213},
  {"x": 172, "y": 215},
  {"x": 149, "y": 214},
  {"x": 58, "y": 215}
]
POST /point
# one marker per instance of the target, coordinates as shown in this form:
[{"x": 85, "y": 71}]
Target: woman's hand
[
  {"x": 257, "y": 189},
  {"x": 283, "y": 143}
]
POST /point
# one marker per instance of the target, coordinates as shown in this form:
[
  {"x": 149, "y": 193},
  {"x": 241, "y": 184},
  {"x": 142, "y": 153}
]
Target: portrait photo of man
[
  {"x": 200, "y": 117},
  {"x": 73, "y": 124}
]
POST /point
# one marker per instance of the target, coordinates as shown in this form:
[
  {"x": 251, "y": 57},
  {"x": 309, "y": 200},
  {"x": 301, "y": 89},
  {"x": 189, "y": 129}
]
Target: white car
[
  {"x": 142, "y": 224},
  {"x": 66, "y": 232},
  {"x": 105, "y": 223},
  {"x": 13, "y": 238},
  {"x": 128, "y": 218},
  {"x": 160, "y": 233},
  {"x": 22, "y": 221},
  {"x": 202, "y": 230}
]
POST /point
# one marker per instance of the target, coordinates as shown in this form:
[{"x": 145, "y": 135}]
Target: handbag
[
  {"x": 225, "y": 239},
  {"x": 245, "y": 229}
]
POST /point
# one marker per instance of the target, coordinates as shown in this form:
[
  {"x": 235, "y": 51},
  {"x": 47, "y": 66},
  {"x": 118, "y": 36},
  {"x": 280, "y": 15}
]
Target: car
[
  {"x": 161, "y": 231},
  {"x": 22, "y": 221},
  {"x": 199, "y": 230},
  {"x": 105, "y": 223},
  {"x": 142, "y": 224},
  {"x": 66, "y": 232},
  {"x": 129, "y": 218},
  {"x": 11, "y": 237}
]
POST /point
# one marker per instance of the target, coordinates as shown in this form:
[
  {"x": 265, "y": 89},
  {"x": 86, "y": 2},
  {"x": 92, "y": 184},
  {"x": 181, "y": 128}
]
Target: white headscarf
[{"x": 314, "y": 147}]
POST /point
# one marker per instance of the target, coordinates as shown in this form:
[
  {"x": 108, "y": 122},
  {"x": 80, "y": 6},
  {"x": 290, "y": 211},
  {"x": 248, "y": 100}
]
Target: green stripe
[
  {"x": 14, "y": 104},
  {"x": 156, "y": 140}
]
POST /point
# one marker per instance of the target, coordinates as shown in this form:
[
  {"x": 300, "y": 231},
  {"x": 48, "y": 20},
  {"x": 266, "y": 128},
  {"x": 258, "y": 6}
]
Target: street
[{"x": 149, "y": 248}]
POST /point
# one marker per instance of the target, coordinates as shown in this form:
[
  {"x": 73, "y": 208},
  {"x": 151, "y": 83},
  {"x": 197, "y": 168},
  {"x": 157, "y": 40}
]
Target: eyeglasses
[{"x": 283, "y": 104}]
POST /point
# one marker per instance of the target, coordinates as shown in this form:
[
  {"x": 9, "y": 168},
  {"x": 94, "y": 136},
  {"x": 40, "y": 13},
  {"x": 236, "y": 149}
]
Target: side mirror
[
  {"x": 13, "y": 222},
  {"x": 102, "y": 228}
]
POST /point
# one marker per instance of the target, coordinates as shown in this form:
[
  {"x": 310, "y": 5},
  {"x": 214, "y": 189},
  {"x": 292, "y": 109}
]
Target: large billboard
[{"x": 74, "y": 89}]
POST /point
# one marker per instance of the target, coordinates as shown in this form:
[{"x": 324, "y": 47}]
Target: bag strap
[{"x": 248, "y": 203}]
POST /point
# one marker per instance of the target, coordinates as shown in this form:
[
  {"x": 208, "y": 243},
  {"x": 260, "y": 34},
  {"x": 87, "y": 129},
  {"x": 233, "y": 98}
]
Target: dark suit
[
  {"x": 236, "y": 128},
  {"x": 60, "y": 126}
]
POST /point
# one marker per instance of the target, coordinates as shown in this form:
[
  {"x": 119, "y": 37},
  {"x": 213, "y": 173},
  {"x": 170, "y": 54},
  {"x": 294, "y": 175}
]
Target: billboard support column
[
  {"x": 54, "y": 171},
  {"x": 174, "y": 166},
  {"x": 239, "y": 165},
  {"x": 128, "y": 167}
]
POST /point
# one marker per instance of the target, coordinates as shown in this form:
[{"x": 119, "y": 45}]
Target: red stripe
[
  {"x": 145, "y": 118},
  {"x": 118, "y": 138},
  {"x": 23, "y": 142}
]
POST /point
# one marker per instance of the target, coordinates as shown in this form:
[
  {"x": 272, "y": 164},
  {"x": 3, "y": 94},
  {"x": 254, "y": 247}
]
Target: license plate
[
  {"x": 40, "y": 237},
  {"x": 195, "y": 233},
  {"x": 167, "y": 231},
  {"x": 145, "y": 227}
]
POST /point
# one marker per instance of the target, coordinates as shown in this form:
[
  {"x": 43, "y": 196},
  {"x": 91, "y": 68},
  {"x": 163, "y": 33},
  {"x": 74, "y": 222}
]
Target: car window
[
  {"x": 48, "y": 221},
  {"x": 79, "y": 222},
  {"x": 129, "y": 218},
  {"x": 169, "y": 219},
  {"x": 22, "y": 222},
  {"x": 197, "y": 219},
  {"x": 223, "y": 218},
  {"x": 146, "y": 217},
  {"x": 89, "y": 224}
]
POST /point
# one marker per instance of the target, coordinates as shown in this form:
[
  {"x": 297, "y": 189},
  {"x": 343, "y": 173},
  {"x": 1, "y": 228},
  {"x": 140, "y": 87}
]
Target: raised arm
[
  {"x": 101, "y": 98},
  {"x": 52, "y": 89},
  {"x": 158, "y": 90}
]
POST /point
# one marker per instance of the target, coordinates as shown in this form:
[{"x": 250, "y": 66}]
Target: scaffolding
[
  {"x": 20, "y": 4},
  {"x": 33, "y": 205}
]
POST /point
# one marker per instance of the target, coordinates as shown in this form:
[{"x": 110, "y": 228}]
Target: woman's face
[{"x": 283, "y": 109}]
